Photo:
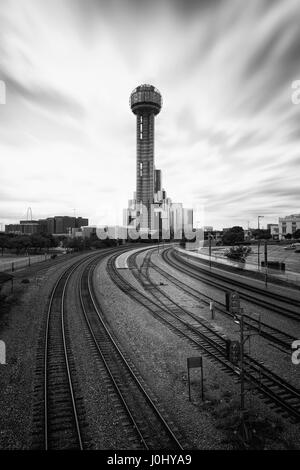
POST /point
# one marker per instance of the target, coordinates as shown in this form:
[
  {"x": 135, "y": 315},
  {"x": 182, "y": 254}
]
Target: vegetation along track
[
  {"x": 275, "y": 335},
  {"x": 263, "y": 298},
  {"x": 142, "y": 409},
  {"x": 273, "y": 389}
]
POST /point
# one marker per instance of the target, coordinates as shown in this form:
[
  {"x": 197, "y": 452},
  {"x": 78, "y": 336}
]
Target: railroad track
[
  {"x": 220, "y": 282},
  {"x": 276, "y": 336},
  {"x": 142, "y": 410},
  {"x": 58, "y": 415},
  {"x": 273, "y": 389},
  {"x": 59, "y": 426}
]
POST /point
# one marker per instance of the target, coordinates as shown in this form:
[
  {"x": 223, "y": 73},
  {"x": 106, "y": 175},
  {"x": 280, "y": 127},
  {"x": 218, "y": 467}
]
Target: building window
[
  {"x": 141, "y": 127},
  {"x": 141, "y": 169},
  {"x": 283, "y": 229}
]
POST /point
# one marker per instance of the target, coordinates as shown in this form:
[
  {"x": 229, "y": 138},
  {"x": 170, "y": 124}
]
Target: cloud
[{"x": 227, "y": 134}]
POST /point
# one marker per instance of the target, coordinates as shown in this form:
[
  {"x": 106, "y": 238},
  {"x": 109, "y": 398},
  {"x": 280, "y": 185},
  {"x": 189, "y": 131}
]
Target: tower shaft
[
  {"x": 145, "y": 103},
  {"x": 145, "y": 164}
]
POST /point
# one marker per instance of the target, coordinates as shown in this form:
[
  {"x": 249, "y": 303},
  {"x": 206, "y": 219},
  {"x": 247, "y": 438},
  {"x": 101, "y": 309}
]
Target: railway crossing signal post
[
  {"x": 192, "y": 363},
  {"x": 235, "y": 352}
]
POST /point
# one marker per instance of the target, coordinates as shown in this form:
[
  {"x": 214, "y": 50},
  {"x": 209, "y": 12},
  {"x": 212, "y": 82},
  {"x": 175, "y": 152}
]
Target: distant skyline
[{"x": 227, "y": 137}]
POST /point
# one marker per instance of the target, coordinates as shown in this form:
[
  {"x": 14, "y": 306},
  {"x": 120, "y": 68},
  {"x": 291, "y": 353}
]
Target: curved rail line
[
  {"x": 274, "y": 390},
  {"x": 225, "y": 284},
  {"x": 58, "y": 415},
  {"x": 153, "y": 430},
  {"x": 265, "y": 330},
  {"x": 61, "y": 415}
]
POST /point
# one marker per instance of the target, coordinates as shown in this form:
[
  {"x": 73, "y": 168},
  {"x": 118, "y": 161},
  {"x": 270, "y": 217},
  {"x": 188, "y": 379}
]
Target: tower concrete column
[{"x": 145, "y": 102}]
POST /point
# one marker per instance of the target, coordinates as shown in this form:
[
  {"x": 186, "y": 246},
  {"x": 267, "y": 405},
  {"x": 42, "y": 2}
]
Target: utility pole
[
  {"x": 209, "y": 244},
  {"x": 258, "y": 244},
  {"x": 266, "y": 263}
]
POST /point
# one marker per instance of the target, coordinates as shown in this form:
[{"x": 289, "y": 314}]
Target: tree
[
  {"x": 20, "y": 243},
  {"x": 261, "y": 234},
  {"x": 3, "y": 242},
  {"x": 37, "y": 241},
  {"x": 238, "y": 253},
  {"x": 233, "y": 235},
  {"x": 97, "y": 244},
  {"x": 75, "y": 244}
]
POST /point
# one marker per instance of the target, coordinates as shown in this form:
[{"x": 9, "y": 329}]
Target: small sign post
[
  {"x": 212, "y": 309},
  {"x": 2, "y": 352},
  {"x": 193, "y": 363}
]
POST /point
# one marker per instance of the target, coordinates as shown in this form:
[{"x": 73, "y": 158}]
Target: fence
[
  {"x": 288, "y": 276},
  {"x": 14, "y": 264}
]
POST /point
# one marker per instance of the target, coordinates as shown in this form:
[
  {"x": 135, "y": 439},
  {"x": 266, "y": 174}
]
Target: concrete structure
[
  {"x": 88, "y": 231},
  {"x": 288, "y": 225},
  {"x": 274, "y": 231},
  {"x": 62, "y": 225},
  {"x": 145, "y": 103},
  {"x": 25, "y": 227},
  {"x": 151, "y": 212},
  {"x": 157, "y": 181}
]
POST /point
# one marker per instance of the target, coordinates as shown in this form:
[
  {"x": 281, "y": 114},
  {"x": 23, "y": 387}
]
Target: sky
[{"x": 227, "y": 137}]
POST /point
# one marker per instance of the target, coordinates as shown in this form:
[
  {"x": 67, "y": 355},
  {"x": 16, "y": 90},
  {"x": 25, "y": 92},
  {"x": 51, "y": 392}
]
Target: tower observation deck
[{"x": 145, "y": 103}]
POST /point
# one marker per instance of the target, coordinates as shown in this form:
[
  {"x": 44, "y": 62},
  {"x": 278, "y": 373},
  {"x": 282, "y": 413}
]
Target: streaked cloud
[{"x": 228, "y": 134}]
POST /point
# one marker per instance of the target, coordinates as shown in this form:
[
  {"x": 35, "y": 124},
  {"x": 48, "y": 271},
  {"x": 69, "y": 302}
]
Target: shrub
[{"x": 238, "y": 253}]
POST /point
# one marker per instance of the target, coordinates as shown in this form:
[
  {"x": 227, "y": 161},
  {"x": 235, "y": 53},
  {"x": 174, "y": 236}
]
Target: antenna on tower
[{"x": 29, "y": 214}]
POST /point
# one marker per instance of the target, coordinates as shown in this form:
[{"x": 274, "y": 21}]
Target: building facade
[
  {"x": 274, "y": 231},
  {"x": 288, "y": 225},
  {"x": 51, "y": 225}
]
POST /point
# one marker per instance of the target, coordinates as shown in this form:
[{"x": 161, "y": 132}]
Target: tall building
[
  {"x": 151, "y": 212},
  {"x": 145, "y": 103}
]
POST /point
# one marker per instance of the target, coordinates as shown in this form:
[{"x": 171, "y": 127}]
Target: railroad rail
[
  {"x": 62, "y": 428},
  {"x": 144, "y": 413},
  {"x": 177, "y": 261},
  {"x": 273, "y": 389},
  {"x": 58, "y": 415},
  {"x": 269, "y": 332}
]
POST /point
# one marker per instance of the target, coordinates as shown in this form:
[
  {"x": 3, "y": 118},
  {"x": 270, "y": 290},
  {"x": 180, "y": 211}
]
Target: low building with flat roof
[{"x": 288, "y": 225}]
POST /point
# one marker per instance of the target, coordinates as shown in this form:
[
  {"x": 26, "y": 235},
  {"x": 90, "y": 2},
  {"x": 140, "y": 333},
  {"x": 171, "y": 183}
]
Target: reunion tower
[{"x": 145, "y": 103}]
